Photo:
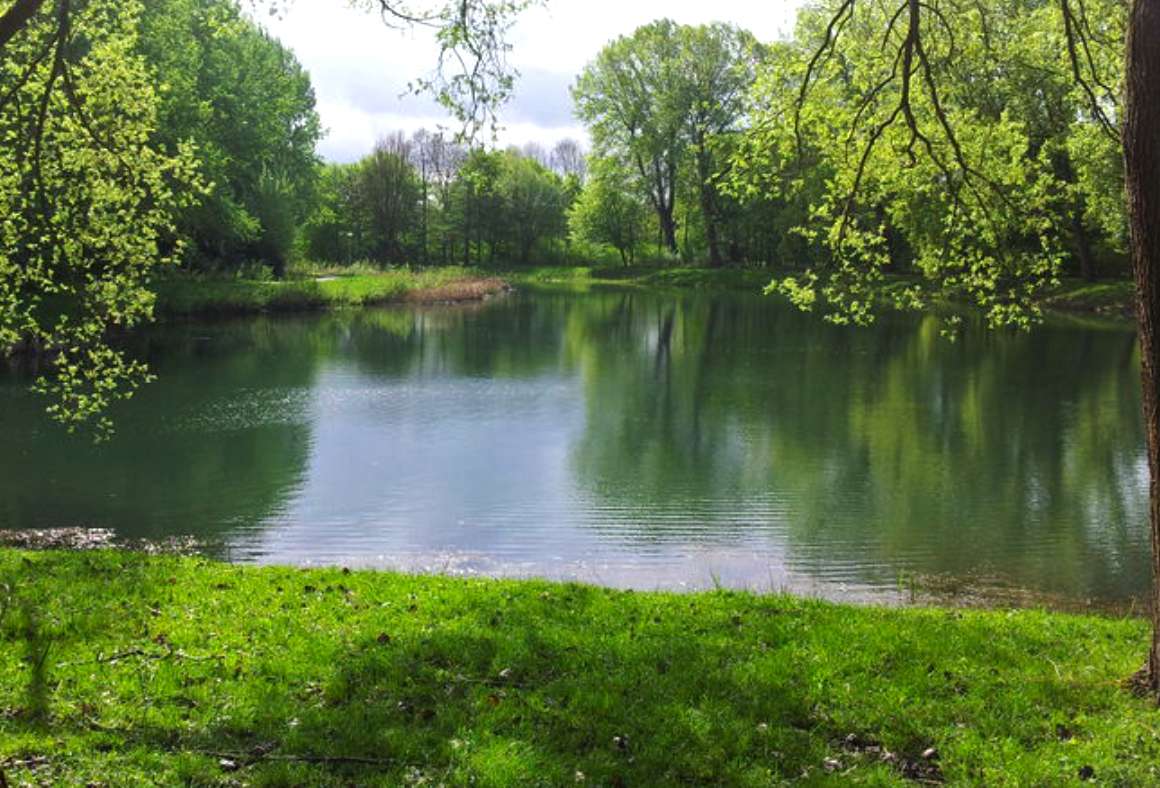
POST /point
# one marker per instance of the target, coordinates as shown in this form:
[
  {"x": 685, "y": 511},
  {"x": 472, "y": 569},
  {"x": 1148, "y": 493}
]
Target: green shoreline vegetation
[
  {"x": 166, "y": 669},
  {"x": 203, "y": 295},
  {"x": 315, "y": 287}
]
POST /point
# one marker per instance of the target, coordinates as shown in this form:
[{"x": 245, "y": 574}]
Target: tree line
[
  {"x": 709, "y": 146},
  {"x": 702, "y": 152},
  {"x": 431, "y": 199},
  {"x": 769, "y": 153}
]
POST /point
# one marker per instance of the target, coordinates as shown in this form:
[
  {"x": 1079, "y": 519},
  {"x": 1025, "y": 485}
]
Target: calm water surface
[{"x": 624, "y": 438}]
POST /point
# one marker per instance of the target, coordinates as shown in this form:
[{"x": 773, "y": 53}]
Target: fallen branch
[
  {"x": 142, "y": 654},
  {"x": 322, "y": 759}
]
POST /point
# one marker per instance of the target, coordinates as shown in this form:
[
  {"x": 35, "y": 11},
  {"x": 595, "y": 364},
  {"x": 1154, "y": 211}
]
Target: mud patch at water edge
[
  {"x": 94, "y": 539},
  {"x": 983, "y": 591}
]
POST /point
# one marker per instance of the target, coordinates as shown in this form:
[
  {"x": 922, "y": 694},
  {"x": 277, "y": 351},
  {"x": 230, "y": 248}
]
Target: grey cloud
[{"x": 541, "y": 98}]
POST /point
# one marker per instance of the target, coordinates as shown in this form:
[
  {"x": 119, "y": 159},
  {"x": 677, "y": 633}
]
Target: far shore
[
  {"x": 333, "y": 288},
  {"x": 198, "y": 296}
]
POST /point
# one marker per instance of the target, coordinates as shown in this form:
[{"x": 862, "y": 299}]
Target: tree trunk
[
  {"x": 668, "y": 230},
  {"x": 1142, "y": 170},
  {"x": 17, "y": 18},
  {"x": 1079, "y": 231},
  {"x": 1083, "y": 244},
  {"x": 711, "y": 235},
  {"x": 709, "y": 204},
  {"x": 426, "y": 214}
]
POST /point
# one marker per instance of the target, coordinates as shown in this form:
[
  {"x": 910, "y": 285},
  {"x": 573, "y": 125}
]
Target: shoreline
[
  {"x": 198, "y": 297},
  {"x": 183, "y": 297},
  {"x": 914, "y": 591},
  {"x": 177, "y": 669}
]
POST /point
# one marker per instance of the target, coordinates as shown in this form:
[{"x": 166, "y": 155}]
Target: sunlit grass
[{"x": 123, "y": 669}]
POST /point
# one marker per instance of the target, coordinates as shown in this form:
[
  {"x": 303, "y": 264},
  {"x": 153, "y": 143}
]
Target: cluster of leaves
[
  {"x": 86, "y": 199},
  {"x": 973, "y": 160},
  {"x": 607, "y": 213}
]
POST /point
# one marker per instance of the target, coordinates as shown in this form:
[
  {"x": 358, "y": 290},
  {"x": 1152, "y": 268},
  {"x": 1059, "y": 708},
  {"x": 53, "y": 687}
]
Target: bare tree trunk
[
  {"x": 16, "y": 18},
  {"x": 1142, "y": 167}
]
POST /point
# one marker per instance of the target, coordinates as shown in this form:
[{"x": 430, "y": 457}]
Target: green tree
[
  {"x": 332, "y": 232},
  {"x": 532, "y": 202},
  {"x": 86, "y": 199},
  {"x": 914, "y": 131},
  {"x": 385, "y": 197},
  {"x": 608, "y": 213},
  {"x": 95, "y": 131},
  {"x": 719, "y": 67},
  {"x": 248, "y": 106},
  {"x": 631, "y": 98},
  {"x": 659, "y": 100}
]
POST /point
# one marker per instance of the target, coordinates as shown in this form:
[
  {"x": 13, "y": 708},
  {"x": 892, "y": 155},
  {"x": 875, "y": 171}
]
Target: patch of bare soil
[{"x": 922, "y": 768}]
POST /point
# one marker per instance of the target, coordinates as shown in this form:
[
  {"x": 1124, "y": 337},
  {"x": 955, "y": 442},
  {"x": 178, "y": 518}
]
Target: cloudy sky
[{"x": 361, "y": 68}]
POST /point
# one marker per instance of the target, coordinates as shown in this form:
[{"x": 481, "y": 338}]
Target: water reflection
[{"x": 622, "y": 437}]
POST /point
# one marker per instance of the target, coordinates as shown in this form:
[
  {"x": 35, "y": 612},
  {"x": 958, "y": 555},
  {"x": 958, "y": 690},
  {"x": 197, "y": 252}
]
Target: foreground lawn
[
  {"x": 189, "y": 295},
  {"x": 122, "y": 669}
]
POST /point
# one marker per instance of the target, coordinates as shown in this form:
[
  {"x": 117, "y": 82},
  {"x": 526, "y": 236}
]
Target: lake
[{"x": 625, "y": 438}]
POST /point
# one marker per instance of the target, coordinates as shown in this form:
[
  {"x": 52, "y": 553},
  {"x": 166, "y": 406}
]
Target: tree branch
[{"x": 16, "y": 19}]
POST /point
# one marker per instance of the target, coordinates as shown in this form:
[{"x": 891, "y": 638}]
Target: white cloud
[{"x": 361, "y": 68}]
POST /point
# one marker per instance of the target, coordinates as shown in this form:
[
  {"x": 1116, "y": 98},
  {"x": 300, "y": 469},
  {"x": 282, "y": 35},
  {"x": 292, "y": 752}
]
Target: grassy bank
[
  {"x": 118, "y": 668},
  {"x": 325, "y": 288},
  {"x": 189, "y": 295},
  {"x": 1113, "y": 298},
  {"x": 748, "y": 279}
]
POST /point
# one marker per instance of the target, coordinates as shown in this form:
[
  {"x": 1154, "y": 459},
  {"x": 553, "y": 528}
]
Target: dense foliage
[
  {"x": 984, "y": 173},
  {"x": 245, "y": 103},
  {"x": 992, "y": 178},
  {"x": 972, "y": 160},
  {"x": 177, "y": 131},
  {"x": 86, "y": 200},
  {"x": 429, "y": 199}
]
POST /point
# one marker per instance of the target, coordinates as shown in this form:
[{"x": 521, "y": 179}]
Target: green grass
[
  {"x": 1112, "y": 298},
  {"x": 750, "y": 279},
  {"x": 1107, "y": 297},
  {"x": 316, "y": 288},
  {"x": 123, "y": 669},
  {"x": 187, "y": 295}
]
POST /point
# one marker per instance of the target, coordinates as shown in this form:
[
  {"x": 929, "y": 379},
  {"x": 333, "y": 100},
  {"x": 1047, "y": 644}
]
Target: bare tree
[
  {"x": 536, "y": 152},
  {"x": 568, "y": 158}
]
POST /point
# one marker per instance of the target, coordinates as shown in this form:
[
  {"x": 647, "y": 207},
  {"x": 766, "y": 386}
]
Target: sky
[{"x": 361, "y": 68}]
